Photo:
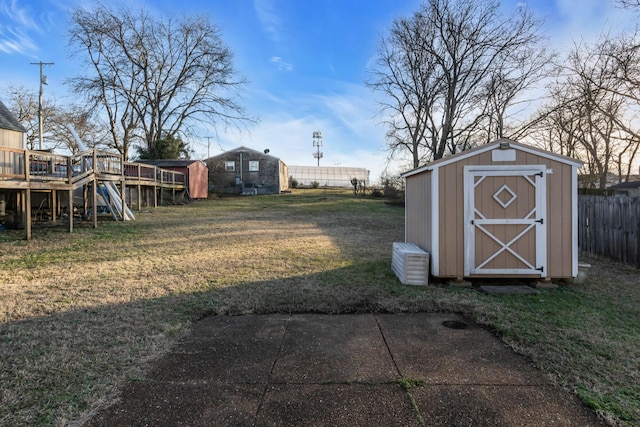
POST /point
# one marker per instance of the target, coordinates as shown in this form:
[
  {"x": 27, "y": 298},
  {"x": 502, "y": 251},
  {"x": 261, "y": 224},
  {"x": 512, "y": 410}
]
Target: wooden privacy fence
[{"x": 610, "y": 226}]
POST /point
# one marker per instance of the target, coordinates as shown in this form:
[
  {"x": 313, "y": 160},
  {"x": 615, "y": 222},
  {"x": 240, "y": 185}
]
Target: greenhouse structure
[{"x": 328, "y": 176}]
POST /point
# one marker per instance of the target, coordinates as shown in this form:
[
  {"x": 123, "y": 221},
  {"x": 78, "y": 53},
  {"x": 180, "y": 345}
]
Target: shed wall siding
[
  {"x": 11, "y": 139},
  {"x": 9, "y": 163},
  {"x": 451, "y": 212},
  {"x": 418, "y": 211},
  {"x": 198, "y": 180}
]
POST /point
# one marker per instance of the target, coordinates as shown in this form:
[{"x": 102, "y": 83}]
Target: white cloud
[
  {"x": 15, "y": 24},
  {"x": 587, "y": 21},
  {"x": 20, "y": 16},
  {"x": 270, "y": 20},
  {"x": 280, "y": 64}
]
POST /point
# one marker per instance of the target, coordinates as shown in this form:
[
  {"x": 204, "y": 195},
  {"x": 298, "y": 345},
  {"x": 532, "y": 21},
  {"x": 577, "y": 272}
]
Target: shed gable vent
[{"x": 410, "y": 264}]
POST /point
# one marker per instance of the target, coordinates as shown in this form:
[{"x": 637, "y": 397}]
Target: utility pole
[
  {"x": 43, "y": 81},
  {"x": 208, "y": 145}
]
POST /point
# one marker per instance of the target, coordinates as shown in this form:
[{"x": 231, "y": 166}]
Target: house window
[
  {"x": 230, "y": 166},
  {"x": 254, "y": 166}
]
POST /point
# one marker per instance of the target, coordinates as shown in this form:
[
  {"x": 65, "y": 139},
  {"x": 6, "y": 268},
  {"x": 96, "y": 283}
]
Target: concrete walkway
[{"x": 343, "y": 370}]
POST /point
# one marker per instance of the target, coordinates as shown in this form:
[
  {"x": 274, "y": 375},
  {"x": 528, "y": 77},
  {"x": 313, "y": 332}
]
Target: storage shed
[
  {"x": 504, "y": 209},
  {"x": 196, "y": 174}
]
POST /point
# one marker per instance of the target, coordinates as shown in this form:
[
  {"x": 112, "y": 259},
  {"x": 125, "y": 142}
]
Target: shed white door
[{"x": 505, "y": 225}]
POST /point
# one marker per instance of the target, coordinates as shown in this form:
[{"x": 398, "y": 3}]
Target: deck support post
[
  {"x": 27, "y": 213},
  {"x": 155, "y": 196},
  {"x": 94, "y": 202},
  {"x": 54, "y": 205},
  {"x": 70, "y": 192}
]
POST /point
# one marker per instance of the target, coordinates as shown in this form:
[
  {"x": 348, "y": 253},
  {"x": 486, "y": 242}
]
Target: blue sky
[{"x": 305, "y": 62}]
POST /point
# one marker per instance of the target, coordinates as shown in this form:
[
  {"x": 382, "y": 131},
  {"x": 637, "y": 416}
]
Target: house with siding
[
  {"x": 12, "y": 136},
  {"x": 12, "y": 141},
  {"x": 247, "y": 171}
]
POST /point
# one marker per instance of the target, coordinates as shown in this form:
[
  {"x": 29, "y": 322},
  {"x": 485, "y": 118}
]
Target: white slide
[{"x": 116, "y": 199}]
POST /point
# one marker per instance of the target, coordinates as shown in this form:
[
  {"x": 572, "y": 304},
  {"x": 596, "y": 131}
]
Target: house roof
[
  {"x": 626, "y": 185},
  {"x": 169, "y": 162},
  {"x": 490, "y": 146},
  {"x": 244, "y": 150},
  {"x": 8, "y": 120}
]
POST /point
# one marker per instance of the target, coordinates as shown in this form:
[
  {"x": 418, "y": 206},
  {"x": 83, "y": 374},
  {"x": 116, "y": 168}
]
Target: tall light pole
[
  {"x": 43, "y": 81},
  {"x": 317, "y": 142}
]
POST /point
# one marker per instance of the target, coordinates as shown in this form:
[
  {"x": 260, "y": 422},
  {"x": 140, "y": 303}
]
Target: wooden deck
[{"x": 25, "y": 171}]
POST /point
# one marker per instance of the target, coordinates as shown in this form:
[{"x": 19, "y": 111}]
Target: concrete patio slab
[{"x": 343, "y": 370}]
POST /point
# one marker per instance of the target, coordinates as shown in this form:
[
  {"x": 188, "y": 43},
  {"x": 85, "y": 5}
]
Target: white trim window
[
  {"x": 230, "y": 166},
  {"x": 254, "y": 166}
]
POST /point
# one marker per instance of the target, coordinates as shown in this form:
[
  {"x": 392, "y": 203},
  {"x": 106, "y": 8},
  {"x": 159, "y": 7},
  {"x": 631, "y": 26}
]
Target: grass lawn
[{"x": 82, "y": 313}]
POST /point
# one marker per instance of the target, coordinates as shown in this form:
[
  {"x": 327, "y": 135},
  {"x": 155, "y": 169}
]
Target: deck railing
[{"x": 28, "y": 165}]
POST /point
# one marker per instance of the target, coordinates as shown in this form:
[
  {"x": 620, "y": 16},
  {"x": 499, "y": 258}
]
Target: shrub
[{"x": 377, "y": 192}]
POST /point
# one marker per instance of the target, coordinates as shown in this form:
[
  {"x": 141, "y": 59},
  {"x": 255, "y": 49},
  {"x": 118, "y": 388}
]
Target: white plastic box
[{"x": 410, "y": 264}]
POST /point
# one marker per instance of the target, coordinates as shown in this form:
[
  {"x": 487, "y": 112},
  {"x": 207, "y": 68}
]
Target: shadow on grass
[{"x": 54, "y": 368}]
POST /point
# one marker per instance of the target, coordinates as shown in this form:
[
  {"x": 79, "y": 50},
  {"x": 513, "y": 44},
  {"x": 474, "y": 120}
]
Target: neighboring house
[
  {"x": 195, "y": 172},
  {"x": 631, "y": 189},
  {"x": 12, "y": 133},
  {"x": 12, "y": 136},
  {"x": 246, "y": 171},
  {"x": 328, "y": 176},
  {"x": 503, "y": 209}
]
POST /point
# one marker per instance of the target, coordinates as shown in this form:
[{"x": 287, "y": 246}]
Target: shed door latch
[{"x": 541, "y": 220}]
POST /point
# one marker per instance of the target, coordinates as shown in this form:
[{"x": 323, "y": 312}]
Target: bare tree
[
  {"x": 591, "y": 114},
  {"x": 438, "y": 69},
  {"x": 153, "y": 77},
  {"x": 628, "y": 4},
  {"x": 89, "y": 131},
  {"x": 518, "y": 71},
  {"x": 23, "y": 103}
]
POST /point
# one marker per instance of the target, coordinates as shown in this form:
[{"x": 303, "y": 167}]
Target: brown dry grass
[{"x": 81, "y": 313}]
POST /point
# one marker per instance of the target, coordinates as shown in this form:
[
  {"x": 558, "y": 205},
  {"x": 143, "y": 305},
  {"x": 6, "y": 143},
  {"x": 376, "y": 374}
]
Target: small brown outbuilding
[{"x": 504, "y": 209}]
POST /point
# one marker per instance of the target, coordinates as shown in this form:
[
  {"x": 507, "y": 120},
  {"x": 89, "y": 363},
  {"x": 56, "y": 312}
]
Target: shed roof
[
  {"x": 490, "y": 146},
  {"x": 8, "y": 120}
]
